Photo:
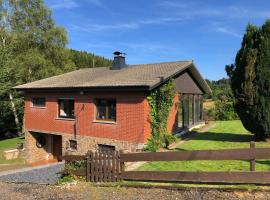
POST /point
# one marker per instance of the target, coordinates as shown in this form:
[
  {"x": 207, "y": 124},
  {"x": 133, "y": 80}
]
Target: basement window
[
  {"x": 106, "y": 109},
  {"x": 73, "y": 145},
  {"x": 38, "y": 102},
  {"x": 106, "y": 148},
  {"x": 66, "y": 108}
]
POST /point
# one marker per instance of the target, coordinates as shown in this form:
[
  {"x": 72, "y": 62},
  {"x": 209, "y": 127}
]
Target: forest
[{"x": 32, "y": 47}]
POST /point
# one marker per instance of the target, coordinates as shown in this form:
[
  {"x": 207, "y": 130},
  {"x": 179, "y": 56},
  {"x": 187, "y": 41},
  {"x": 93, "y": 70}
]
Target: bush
[
  {"x": 250, "y": 80},
  {"x": 224, "y": 110}
]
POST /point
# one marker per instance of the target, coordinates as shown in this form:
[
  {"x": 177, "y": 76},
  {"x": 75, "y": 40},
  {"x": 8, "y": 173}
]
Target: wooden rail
[
  {"x": 199, "y": 177},
  {"x": 109, "y": 166}
]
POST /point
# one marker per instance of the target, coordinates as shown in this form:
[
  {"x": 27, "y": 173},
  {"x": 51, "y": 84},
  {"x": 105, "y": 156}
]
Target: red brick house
[{"x": 101, "y": 108}]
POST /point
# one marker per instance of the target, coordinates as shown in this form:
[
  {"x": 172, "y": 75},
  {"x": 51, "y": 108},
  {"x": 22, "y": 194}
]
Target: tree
[
  {"x": 32, "y": 47},
  {"x": 250, "y": 80}
]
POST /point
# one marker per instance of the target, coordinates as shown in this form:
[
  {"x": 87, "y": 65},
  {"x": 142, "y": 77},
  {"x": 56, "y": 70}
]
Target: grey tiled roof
[{"x": 147, "y": 75}]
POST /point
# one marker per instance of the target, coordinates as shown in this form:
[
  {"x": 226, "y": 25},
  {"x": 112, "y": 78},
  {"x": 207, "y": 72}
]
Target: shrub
[
  {"x": 224, "y": 110},
  {"x": 250, "y": 80}
]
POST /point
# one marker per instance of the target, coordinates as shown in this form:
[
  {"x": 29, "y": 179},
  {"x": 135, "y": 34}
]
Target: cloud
[
  {"x": 227, "y": 31},
  {"x": 124, "y": 26},
  {"x": 194, "y": 10},
  {"x": 69, "y": 4},
  {"x": 97, "y": 3},
  {"x": 174, "y": 4},
  {"x": 104, "y": 27},
  {"x": 66, "y": 4}
]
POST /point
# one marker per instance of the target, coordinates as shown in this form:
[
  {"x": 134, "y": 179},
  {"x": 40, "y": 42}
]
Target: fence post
[
  {"x": 88, "y": 165},
  {"x": 122, "y": 164},
  {"x": 252, "y": 161}
]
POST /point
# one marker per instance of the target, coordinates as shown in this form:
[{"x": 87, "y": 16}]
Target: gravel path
[
  {"x": 48, "y": 174},
  {"x": 11, "y": 191}
]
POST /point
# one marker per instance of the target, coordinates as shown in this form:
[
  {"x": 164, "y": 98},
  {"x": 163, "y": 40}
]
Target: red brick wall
[
  {"x": 173, "y": 116},
  {"x": 132, "y": 115}
]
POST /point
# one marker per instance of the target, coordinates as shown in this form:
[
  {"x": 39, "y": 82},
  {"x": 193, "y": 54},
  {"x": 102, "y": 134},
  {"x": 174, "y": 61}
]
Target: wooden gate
[
  {"x": 101, "y": 166},
  {"x": 104, "y": 166}
]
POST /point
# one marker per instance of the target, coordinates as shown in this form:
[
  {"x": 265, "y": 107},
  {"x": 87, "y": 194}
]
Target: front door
[{"x": 57, "y": 147}]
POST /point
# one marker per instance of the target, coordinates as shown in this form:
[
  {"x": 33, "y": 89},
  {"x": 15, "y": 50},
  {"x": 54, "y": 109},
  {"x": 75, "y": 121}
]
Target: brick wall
[
  {"x": 130, "y": 125},
  {"x": 131, "y": 130},
  {"x": 173, "y": 116}
]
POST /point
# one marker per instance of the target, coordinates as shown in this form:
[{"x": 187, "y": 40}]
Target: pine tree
[{"x": 250, "y": 80}]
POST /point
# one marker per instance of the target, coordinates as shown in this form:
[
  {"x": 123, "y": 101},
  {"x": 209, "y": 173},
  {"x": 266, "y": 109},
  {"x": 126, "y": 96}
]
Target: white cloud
[
  {"x": 227, "y": 31},
  {"x": 67, "y": 4},
  {"x": 97, "y": 3},
  {"x": 124, "y": 26},
  {"x": 175, "y": 4},
  {"x": 104, "y": 27},
  {"x": 194, "y": 10}
]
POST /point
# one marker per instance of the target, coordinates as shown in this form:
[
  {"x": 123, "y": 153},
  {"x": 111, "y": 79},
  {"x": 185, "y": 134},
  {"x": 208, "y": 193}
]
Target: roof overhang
[{"x": 200, "y": 81}]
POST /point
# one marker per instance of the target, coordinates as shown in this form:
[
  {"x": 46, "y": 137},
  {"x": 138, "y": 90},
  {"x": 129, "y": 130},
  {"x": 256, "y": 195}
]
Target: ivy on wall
[{"x": 160, "y": 101}]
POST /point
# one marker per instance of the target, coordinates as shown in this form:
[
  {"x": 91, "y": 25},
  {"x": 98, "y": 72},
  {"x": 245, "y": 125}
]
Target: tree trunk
[{"x": 15, "y": 114}]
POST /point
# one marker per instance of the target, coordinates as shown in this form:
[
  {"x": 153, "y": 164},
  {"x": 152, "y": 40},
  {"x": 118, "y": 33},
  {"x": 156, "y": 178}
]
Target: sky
[{"x": 209, "y": 32}]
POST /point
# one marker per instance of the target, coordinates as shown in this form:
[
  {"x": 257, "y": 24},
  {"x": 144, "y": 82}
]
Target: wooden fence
[{"x": 104, "y": 167}]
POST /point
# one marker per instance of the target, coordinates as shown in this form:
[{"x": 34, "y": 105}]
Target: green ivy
[{"x": 160, "y": 101}]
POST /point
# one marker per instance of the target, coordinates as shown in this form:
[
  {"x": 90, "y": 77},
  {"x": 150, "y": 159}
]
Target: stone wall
[
  {"x": 34, "y": 154},
  {"x": 86, "y": 143}
]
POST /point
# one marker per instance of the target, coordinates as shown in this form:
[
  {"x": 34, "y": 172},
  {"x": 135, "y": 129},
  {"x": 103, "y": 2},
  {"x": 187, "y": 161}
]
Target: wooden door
[{"x": 57, "y": 147}]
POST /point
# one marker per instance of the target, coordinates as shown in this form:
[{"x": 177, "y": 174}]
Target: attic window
[
  {"x": 38, "y": 102},
  {"x": 66, "y": 108},
  {"x": 105, "y": 109}
]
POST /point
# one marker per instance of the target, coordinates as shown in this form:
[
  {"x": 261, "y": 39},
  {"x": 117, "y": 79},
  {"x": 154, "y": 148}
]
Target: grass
[
  {"x": 224, "y": 135},
  {"x": 183, "y": 186},
  {"x": 10, "y": 144}
]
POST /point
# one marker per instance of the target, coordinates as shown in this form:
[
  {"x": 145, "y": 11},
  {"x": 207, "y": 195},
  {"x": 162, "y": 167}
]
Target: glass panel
[
  {"x": 197, "y": 109},
  {"x": 66, "y": 108},
  {"x": 201, "y": 108},
  {"x": 180, "y": 113},
  {"x": 191, "y": 109},
  {"x": 101, "y": 109},
  {"x": 185, "y": 110},
  {"x": 112, "y": 110}
]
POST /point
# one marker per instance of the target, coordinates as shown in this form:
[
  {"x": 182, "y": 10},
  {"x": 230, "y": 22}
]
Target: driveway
[{"x": 47, "y": 174}]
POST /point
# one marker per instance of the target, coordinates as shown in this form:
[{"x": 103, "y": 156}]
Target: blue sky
[{"x": 149, "y": 31}]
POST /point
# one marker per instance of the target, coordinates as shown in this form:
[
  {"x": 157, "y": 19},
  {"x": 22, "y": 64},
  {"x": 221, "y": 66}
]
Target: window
[
  {"x": 190, "y": 109},
  {"x": 106, "y": 148},
  {"x": 73, "y": 145},
  {"x": 38, "y": 102},
  {"x": 66, "y": 108},
  {"x": 106, "y": 109}
]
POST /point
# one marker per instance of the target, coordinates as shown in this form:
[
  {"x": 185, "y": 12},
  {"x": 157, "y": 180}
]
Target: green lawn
[
  {"x": 9, "y": 144},
  {"x": 224, "y": 135}
]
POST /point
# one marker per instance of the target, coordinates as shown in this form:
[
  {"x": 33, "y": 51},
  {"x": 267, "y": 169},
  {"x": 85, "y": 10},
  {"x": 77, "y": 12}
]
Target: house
[{"x": 105, "y": 108}]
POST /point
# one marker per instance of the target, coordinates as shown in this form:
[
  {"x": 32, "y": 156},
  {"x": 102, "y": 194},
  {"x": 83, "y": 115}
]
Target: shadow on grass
[
  {"x": 223, "y": 137},
  {"x": 263, "y": 162}
]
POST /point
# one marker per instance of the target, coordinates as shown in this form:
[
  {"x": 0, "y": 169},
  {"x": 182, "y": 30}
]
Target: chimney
[{"x": 119, "y": 61}]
